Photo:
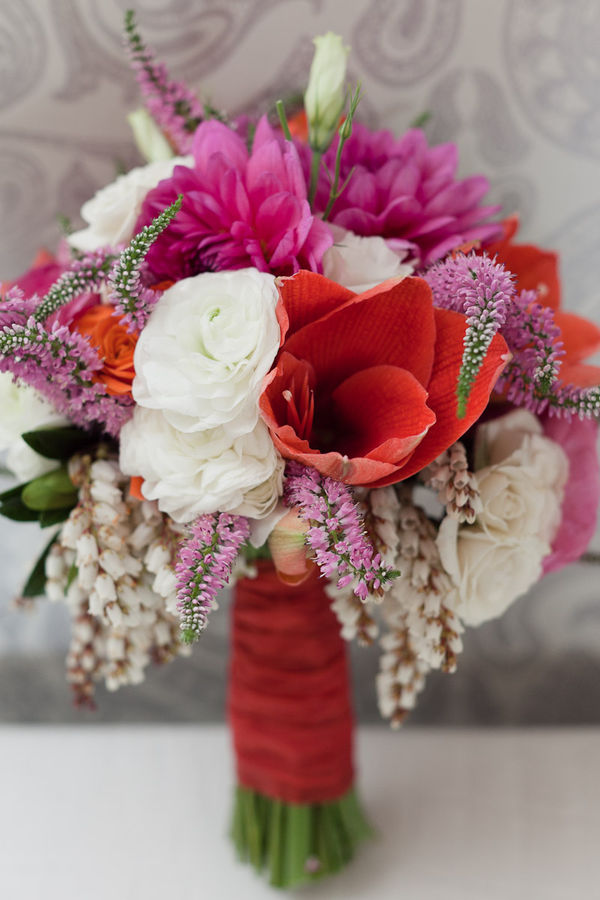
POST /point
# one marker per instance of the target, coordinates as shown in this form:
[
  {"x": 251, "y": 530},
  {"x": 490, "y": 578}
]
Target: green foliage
[
  {"x": 14, "y": 508},
  {"x": 252, "y": 554},
  {"x": 52, "y": 491},
  {"x": 36, "y": 583},
  {"x": 60, "y": 443}
]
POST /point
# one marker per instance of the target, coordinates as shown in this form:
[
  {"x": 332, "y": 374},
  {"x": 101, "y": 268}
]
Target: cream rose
[
  {"x": 496, "y": 560},
  {"x": 360, "y": 263},
  {"x": 208, "y": 344},
  {"x": 112, "y": 212},
  {"x": 203, "y": 471},
  {"x": 23, "y": 409},
  {"x": 489, "y": 573},
  {"x": 522, "y": 486}
]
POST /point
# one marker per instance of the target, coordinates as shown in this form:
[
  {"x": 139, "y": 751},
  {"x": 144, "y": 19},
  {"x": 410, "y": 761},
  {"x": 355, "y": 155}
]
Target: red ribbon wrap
[{"x": 289, "y": 691}]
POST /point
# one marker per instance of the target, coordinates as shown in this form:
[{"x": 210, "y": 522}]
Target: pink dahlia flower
[
  {"x": 239, "y": 209},
  {"x": 407, "y": 192},
  {"x": 578, "y": 438}
]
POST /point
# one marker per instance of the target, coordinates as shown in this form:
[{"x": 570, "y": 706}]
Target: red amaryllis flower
[{"x": 364, "y": 387}]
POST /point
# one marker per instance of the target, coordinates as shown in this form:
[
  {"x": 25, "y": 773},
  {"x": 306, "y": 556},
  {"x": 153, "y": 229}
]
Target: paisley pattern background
[{"x": 516, "y": 83}]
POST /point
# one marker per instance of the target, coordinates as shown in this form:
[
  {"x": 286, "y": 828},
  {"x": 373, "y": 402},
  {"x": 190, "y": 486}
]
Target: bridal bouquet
[{"x": 299, "y": 352}]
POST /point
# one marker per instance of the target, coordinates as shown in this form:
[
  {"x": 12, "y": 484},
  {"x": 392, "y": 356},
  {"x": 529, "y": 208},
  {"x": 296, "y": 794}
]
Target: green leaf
[
  {"x": 55, "y": 490},
  {"x": 49, "y": 517},
  {"x": 71, "y": 576},
  {"x": 59, "y": 443},
  {"x": 36, "y": 583},
  {"x": 422, "y": 119},
  {"x": 15, "y": 509},
  {"x": 12, "y": 492}
]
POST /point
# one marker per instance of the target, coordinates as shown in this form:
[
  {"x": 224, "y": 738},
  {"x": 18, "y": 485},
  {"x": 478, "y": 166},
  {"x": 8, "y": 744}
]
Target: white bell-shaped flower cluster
[{"x": 113, "y": 564}]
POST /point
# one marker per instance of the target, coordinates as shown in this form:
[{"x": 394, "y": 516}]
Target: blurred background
[{"x": 516, "y": 83}]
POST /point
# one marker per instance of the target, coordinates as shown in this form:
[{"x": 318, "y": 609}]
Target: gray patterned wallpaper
[{"x": 515, "y": 82}]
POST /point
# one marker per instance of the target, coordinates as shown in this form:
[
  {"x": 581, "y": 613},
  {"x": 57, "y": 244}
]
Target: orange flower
[
  {"x": 114, "y": 344},
  {"x": 537, "y": 269}
]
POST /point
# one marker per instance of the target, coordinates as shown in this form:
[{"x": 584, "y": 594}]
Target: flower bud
[
  {"x": 325, "y": 95},
  {"x": 148, "y": 137}
]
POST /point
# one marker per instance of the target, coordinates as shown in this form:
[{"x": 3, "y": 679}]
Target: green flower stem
[
  {"x": 315, "y": 165},
  {"x": 295, "y": 843},
  {"x": 283, "y": 120}
]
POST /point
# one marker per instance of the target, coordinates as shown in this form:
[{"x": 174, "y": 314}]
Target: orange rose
[{"x": 114, "y": 344}]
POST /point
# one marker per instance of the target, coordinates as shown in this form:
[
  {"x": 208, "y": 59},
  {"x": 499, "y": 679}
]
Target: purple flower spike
[
  {"x": 336, "y": 533},
  {"x": 173, "y": 106},
  {"x": 204, "y": 567},
  {"x": 61, "y": 365},
  {"x": 482, "y": 290}
]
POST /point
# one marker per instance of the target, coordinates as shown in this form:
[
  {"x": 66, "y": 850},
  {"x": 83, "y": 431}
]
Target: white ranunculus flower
[
  {"x": 203, "y": 471},
  {"x": 207, "y": 346},
  {"x": 326, "y": 91},
  {"x": 360, "y": 263},
  {"x": 23, "y": 409},
  {"x": 496, "y": 560},
  {"x": 490, "y": 573},
  {"x": 112, "y": 212}
]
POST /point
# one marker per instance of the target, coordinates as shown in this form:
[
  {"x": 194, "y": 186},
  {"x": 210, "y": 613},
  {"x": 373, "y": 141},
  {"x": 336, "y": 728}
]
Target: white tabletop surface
[{"x": 123, "y": 813}]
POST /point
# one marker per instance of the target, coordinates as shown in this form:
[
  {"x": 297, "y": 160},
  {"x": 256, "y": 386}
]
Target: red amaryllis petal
[
  {"x": 536, "y": 269},
  {"x": 393, "y": 327},
  {"x": 382, "y": 413},
  {"x": 305, "y": 297},
  {"x": 580, "y": 375},
  {"x": 287, "y": 397},
  {"x": 581, "y": 338},
  {"x": 274, "y": 411},
  {"x": 442, "y": 391}
]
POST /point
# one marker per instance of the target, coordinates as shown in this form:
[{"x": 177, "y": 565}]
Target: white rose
[
  {"x": 112, "y": 212},
  {"x": 360, "y": 263},
  {"x": 203, "y": 471},
  {"x": 522, "y": 488},
  {"x": 489, "y": 573},
  {"x": 206, "y": 348},
  {"x": 23, "y": 409},
  {"x": 326, "y": 91}
]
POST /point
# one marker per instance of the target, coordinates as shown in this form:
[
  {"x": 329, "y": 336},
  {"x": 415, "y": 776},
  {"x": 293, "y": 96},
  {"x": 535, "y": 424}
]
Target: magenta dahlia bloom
[
  {"x": 239, "y": 209},
  {"x": 407, "y": 192}
]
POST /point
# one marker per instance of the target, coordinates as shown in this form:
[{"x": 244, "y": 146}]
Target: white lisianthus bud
[
  {"x": 148, "y": 137},
  {"x": 325, "y": 95}
]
